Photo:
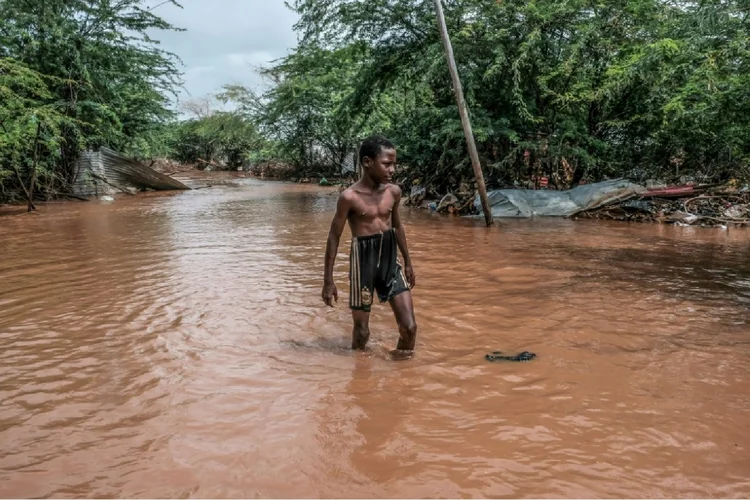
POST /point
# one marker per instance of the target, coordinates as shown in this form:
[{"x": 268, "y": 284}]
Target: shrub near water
[
  {"x": 568, "y": 90},
  {"x": 77, "y": 74}
]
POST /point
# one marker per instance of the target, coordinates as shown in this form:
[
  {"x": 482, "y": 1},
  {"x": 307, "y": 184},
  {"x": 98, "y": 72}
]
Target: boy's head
[{"x": 377, "y": 155}]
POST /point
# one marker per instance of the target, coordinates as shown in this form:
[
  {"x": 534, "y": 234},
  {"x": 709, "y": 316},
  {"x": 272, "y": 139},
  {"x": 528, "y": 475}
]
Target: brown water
[{"x": 176, "y": 345}]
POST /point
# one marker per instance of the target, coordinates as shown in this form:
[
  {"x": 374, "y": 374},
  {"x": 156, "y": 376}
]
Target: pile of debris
[
  {"x": 709, "y": 206},
  {"x": 271, "y": 170},
  {"x": 460, "y": 203},
  {"x": 171, "y": 167},
  {"x": 616, "y": 199}
]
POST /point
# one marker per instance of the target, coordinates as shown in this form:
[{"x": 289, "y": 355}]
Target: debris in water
[
  {"x": 498, "y": 356},
  {"x": 448, "y": 201},
  {"x": 681, "y": 205}
]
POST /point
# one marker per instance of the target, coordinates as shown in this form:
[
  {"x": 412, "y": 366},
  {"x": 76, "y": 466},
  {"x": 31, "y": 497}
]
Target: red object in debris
[
  {"x": 670, "y": 191},
  {"x": 540, "y": 181}
]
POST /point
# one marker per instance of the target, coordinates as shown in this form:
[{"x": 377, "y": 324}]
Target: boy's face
[{"x": 381, "y": 169}]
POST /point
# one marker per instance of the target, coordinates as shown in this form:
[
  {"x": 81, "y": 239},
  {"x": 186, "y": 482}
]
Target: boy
[{"x": 371, "y": 207}]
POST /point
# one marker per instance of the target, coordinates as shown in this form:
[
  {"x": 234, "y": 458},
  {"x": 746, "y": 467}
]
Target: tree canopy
[
  {"x": 78, "y": 74},
  {"x": 573, "y": 90}
]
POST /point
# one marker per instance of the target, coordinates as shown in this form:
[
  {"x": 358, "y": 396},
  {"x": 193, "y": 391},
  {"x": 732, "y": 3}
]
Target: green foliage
[
  {"x": 85, "y": 73},
  {"x": 572, "y": 90},
  {"x": 227, "y": 138},
  {"x": 31, "y": 131},
  {"x": 303, "y": 114},
  {"x": 575, "y": 89}
]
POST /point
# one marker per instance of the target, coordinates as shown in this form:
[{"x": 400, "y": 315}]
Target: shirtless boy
[{"x": 371, "y": 207}]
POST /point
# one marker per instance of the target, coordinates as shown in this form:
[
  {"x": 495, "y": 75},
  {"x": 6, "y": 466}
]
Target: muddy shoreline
[{"x": 635, "y": 210}]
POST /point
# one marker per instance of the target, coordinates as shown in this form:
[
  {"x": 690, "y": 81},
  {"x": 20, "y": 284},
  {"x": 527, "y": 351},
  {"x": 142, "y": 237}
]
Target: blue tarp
[{"x": 550, "y": 203}]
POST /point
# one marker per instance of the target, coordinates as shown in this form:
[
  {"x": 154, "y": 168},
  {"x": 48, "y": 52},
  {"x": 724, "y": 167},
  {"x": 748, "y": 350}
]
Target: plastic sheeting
[{"x": 549, "y": 203}]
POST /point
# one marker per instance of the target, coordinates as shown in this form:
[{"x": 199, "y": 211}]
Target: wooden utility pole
[{"x": 464, "y": 112}]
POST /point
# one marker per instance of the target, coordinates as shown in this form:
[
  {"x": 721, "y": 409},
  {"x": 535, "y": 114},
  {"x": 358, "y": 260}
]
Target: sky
[{"x": 224, "y": 40}]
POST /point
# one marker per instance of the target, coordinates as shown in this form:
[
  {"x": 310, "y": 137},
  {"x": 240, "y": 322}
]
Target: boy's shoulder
[
  {"x": 351, "y": 193},
  {"x": 348, "y": 194}
]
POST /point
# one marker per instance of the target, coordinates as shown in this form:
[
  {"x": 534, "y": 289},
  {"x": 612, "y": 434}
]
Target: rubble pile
[
  {"x": 170, "y": 167},
  {"x": 271, "y": 170},
  {"x": 683, "y": 205},
  {"x": 620, "y": 200},
  {"x": 458, "y": 203}
]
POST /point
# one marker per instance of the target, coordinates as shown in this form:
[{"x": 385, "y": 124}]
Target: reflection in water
[{"x": 176, "y": 345}]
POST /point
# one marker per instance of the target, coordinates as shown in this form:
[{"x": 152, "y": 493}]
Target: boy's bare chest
[{"x": 373, "y": 206}]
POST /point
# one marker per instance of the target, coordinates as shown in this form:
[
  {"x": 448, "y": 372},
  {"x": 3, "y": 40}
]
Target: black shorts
[{"x": 374, "y": 267}]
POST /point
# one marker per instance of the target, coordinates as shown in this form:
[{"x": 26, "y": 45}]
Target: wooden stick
[{"x": 463, "y": 111}]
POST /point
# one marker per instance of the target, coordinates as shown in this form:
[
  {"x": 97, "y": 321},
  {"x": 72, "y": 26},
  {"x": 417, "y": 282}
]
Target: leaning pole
[{"x": 464, "y": 112}]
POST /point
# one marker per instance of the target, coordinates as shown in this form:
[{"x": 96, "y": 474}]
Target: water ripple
[{"x": 176, "y": 345}]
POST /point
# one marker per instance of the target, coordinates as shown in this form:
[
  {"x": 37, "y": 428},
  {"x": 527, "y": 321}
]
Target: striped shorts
[{"x": 374, "y": 267}]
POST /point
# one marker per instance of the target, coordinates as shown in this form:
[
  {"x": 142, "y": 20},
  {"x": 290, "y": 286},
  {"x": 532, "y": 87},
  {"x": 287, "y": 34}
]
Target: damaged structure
[{"x": 107, "y": 172}]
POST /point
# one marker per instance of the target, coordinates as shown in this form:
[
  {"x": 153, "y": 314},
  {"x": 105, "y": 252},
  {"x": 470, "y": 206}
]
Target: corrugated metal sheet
[
  {"x": 90, "y": 173},
  {"x": 349, "y": 164},
  {"x": 108, "y": 172}
]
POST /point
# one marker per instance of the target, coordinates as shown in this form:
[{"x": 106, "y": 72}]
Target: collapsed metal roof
[{"x": 107, "y": 172}]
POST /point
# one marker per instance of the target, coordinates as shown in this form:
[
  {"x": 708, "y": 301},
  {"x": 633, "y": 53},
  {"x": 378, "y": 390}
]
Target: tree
[
  {"x": 30, "y": 130},
  {"x": 569, "y": 90},
  {"x": 103, "y": 77},
  {"x": 225, "y": 137}
]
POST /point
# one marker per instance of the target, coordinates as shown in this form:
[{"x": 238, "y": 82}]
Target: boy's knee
[
  {"x": 408, "y": 336},
  {"x": 361, "y": 326},
  {"x": 360, "y": 335},
  {"x": 409, "y": 328}
]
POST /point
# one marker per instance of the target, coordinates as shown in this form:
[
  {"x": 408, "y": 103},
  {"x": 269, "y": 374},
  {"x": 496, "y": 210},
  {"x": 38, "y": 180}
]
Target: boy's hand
[
  {"x": 330, "y": 293},
  {"x": 410, "y": 276}
]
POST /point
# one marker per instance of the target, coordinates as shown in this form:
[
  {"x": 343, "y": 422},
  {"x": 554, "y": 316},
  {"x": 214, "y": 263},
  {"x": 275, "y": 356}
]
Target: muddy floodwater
[{"x": 176, "y": 345}]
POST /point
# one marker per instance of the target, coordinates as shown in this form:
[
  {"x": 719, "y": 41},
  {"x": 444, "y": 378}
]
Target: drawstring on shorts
[{"x": 380, "y": 250}]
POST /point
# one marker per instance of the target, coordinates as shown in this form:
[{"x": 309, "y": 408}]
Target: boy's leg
[
  {"x": 403, "y": 309},
  {"x": 361, "y": 330},
  {"x": 360, "y": 295}
]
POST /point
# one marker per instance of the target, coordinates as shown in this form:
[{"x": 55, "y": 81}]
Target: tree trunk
[
  {"x": 32, "y": 184},
  {"x": 463, "y": 111}
]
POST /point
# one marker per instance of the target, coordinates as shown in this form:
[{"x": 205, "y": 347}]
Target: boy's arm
[
  {"x": 401, "y": 238},
  {"x": 334, "y": 234}
]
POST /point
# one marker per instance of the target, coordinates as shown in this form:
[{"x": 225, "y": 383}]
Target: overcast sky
[{"x": 224, "y": 39}]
